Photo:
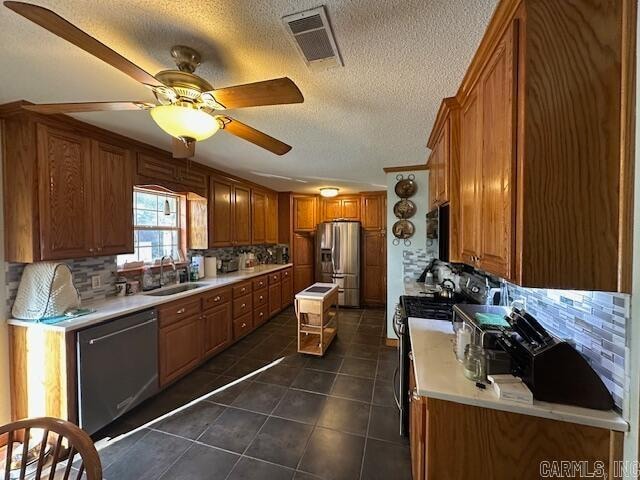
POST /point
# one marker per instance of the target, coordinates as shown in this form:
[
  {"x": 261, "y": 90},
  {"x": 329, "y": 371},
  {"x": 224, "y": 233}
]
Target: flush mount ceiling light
[
  {"x": 185, "y": 122},
  {"x": 329, "y": 192}
]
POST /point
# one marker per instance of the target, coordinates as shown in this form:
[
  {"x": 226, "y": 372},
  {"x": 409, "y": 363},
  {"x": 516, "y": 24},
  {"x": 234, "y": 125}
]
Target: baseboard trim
[{"x": 391, "y": 342}]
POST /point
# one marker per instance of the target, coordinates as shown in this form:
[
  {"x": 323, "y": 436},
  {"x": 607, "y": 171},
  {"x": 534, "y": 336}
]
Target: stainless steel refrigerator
[{"x": 338, "y": 259}]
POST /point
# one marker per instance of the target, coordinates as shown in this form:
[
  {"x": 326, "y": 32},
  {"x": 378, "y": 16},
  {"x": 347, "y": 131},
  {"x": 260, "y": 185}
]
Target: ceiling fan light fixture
[
  {"x": 329, "y": 192},
  {"x": 185, "y": 121}
]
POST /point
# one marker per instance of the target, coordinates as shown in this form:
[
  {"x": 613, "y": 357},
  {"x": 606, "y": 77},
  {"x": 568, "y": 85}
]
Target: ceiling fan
[{"x": 187, "y": 105}]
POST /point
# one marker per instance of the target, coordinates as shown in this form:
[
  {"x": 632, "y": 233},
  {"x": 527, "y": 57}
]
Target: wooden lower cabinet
[
  {"x": 287, "y": 290},
  {"x": 374, "y": 267},
  {"x": 179, "y": 348},
  {"x": 217, "y": 333},
  {"x": 242, "y": 325},
  {"x": 275, "y": 298},
  {"x": 260, "y": 315},
  {"x": 461, "y": 442}
]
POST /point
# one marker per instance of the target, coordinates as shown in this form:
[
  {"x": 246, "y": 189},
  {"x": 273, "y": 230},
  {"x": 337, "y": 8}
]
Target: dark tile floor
[{"x": 302, "y": 418}]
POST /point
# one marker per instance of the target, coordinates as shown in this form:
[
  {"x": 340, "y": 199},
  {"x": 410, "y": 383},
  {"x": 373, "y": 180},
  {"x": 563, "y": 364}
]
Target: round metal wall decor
[
  {"x": 404, "y": 208},
  {"x": 403, "y": 229},
  {"x": 406, "y": 187}
]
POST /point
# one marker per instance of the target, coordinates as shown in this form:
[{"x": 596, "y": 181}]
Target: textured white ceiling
[{"x": 401, "y": 57}]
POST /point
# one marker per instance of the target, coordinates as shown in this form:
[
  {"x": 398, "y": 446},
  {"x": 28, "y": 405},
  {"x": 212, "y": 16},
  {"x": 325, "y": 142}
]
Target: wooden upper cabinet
[
  {"x": 304, "y": 213},
  {"x": 373, "y": 210},
  {"x": 440, "y": 159},
  {"x": 156, "y": 168},
  {"x": 220, "y": 212},
  {"x": 272, "y": 218},
  {"x": 497, "y": 201},
  {"x": 258, "y": 216},
  {"x": 112, "y": 171},
  {"x": 65, "y": 207},
  {"x": 351, "y": 208},
  {"x": 178, "y": 175},
  {"x": 241, "y": 215},
  {"x": 303, "y": 261},
  {"x": 340, "y": 208},
  {"x": 470, "y": 183},
  {"x": 331, "y": 209}
]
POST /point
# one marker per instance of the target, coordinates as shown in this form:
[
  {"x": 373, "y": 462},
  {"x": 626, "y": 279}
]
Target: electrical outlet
[{"x": 96, "y": 282}]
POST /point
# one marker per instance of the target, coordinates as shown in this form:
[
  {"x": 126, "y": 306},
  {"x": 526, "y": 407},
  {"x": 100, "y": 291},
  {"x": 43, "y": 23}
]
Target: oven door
[{"x": 401, "y": 373}]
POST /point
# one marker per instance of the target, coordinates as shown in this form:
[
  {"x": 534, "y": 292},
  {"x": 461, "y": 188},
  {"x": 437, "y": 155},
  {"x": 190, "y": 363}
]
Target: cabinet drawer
[
  {"x": 216, "y": 297},
  {"x": 288, "y": 273},
  {"x": 241, "y": 289},
  {"x": 260, "y": 315},
  {"x": 260, "y": 282},
  {"x": 242, "y": 326},
  {"x": 274, "y": 278},
  {"x": 242, "y": 305},
  {"x": 260, "y": 297},
  {"x": 174, "y": 311}
]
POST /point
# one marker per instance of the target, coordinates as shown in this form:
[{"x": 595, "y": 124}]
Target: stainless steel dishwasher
[{"x": 117, "y": 368}]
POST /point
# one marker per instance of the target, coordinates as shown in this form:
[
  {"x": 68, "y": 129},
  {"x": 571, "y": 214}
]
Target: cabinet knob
[
  {"x": 261, "y": 315},
  {"x": 244, "y": 325},
  {"x": 91, "y": 250},
  {"x": 217, "y": 298},
  {"x": 99, "y": 249},
  {"x": 244, "y": 305},
  {"x": 261, "y": 297},
  {"x": 181, "y": 310},
  {"x": 414, "y": 394},
  {"x": 243, "y": 289}
]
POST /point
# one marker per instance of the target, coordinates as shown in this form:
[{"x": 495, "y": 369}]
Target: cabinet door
[
  {"x": 156, "y": 168},
  {"x": 442, "y": 165},
  {"x": 304, "y": 214},
  {"x": 331, "y": 209},
  {"x": 217, "y": 329},
  {"x": 498, "y": 159},
  {"x": 287, "y": 291},
  {"x": 351, "y": 208},
  {"x": 373, "y": 211},
  {"x": 275, "y": 298},
  {"x": 470, "y": 158},
  {"x": 303, "y": 255},
  {"x": 433, "y": 179},
  {"x": 179, "y": 349},
  {"x": 112, "y": 171},
  {"x": 272, "y": 218},
  {"x": 258, "y": 217},
  {"x": 417, "y": 436},
  {"x": 242, "y": 215},
  {"x": 220, "y": 212},
  {"x": 65, "y": 187},
  {"x": 374, "y": 268}
]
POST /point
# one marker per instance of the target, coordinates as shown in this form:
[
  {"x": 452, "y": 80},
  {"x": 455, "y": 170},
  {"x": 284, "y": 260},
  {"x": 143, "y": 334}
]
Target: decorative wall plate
[
  {"x": 406, "y": 187},
  {"x": 404, "y": 208},
  {"x": 403, "y": 229}
]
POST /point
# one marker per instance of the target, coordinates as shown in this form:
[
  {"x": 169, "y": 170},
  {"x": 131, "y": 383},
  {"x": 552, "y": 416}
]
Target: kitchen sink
[{"x": 173, "y": 290}]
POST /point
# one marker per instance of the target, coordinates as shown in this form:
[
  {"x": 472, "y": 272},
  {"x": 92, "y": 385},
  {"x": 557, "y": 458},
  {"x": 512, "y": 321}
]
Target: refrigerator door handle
[{"x": 335, "y": 247}]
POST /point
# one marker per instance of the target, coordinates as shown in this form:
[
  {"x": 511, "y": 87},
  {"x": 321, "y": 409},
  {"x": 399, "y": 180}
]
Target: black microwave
[{"x": 438, "y": 230}]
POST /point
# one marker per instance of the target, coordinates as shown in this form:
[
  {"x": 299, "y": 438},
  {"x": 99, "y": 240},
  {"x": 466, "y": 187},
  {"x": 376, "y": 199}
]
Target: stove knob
[{"x": 475, "y": 289}]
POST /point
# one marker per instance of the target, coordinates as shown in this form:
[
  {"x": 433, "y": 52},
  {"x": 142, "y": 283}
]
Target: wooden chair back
[{"x": 60, "y": 441}]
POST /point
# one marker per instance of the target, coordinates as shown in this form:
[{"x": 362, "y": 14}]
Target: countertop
[
  {"x": 439, "y": 375},
  {"x": 307, "y": 295},
  {"x": 113, "y": 307}
]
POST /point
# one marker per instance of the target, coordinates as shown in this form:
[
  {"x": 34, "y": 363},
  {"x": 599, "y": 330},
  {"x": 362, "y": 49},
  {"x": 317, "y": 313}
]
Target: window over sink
[{"x": 157, "y": 227}]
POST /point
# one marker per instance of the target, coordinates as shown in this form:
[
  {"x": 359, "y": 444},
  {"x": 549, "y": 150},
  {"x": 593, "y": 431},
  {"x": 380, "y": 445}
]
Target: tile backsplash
[
  {"x": 414, "y": 262},
  {"x": 597, "y": 324},
  {"x": 83, "y": 269}
]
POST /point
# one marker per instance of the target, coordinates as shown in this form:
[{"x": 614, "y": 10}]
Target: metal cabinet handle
[
  {"x": 415, "y": 395},
  {"x": 93, "y": 341},
  {"x": 410, "y": 355},
  {"x": 181, "y": 310}
]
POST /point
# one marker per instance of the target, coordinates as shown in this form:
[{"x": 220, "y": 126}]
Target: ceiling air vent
[{"x": 312, "y": 36}]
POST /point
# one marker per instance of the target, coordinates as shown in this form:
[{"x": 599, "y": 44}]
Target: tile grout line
[{"x": 366, "y": 438}]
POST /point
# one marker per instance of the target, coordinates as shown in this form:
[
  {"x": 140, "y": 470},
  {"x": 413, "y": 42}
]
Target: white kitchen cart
[{"x": 317, "y": 313}]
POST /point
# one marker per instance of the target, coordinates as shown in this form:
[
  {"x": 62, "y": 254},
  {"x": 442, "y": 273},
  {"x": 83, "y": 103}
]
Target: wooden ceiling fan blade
[
  {"x": 50, "y": 108},
  {"x": 254, "y": 136},
  {"x": 269, "y": 92},
  {"x": 182, "y": 149},
  {"x": 59, "y": 26}
]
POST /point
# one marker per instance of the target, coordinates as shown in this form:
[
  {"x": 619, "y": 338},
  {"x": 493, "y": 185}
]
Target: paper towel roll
[{"x": 211, "y": 266}]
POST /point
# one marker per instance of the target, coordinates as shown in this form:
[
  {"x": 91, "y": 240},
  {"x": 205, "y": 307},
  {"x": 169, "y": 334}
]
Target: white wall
[
  {"x": 5, "y": 406},
  {"x": 395, "y": 286}
]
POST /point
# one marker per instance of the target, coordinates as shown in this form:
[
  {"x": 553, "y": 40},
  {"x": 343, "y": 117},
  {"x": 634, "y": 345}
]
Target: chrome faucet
[{"x": 171, "y": 262}]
